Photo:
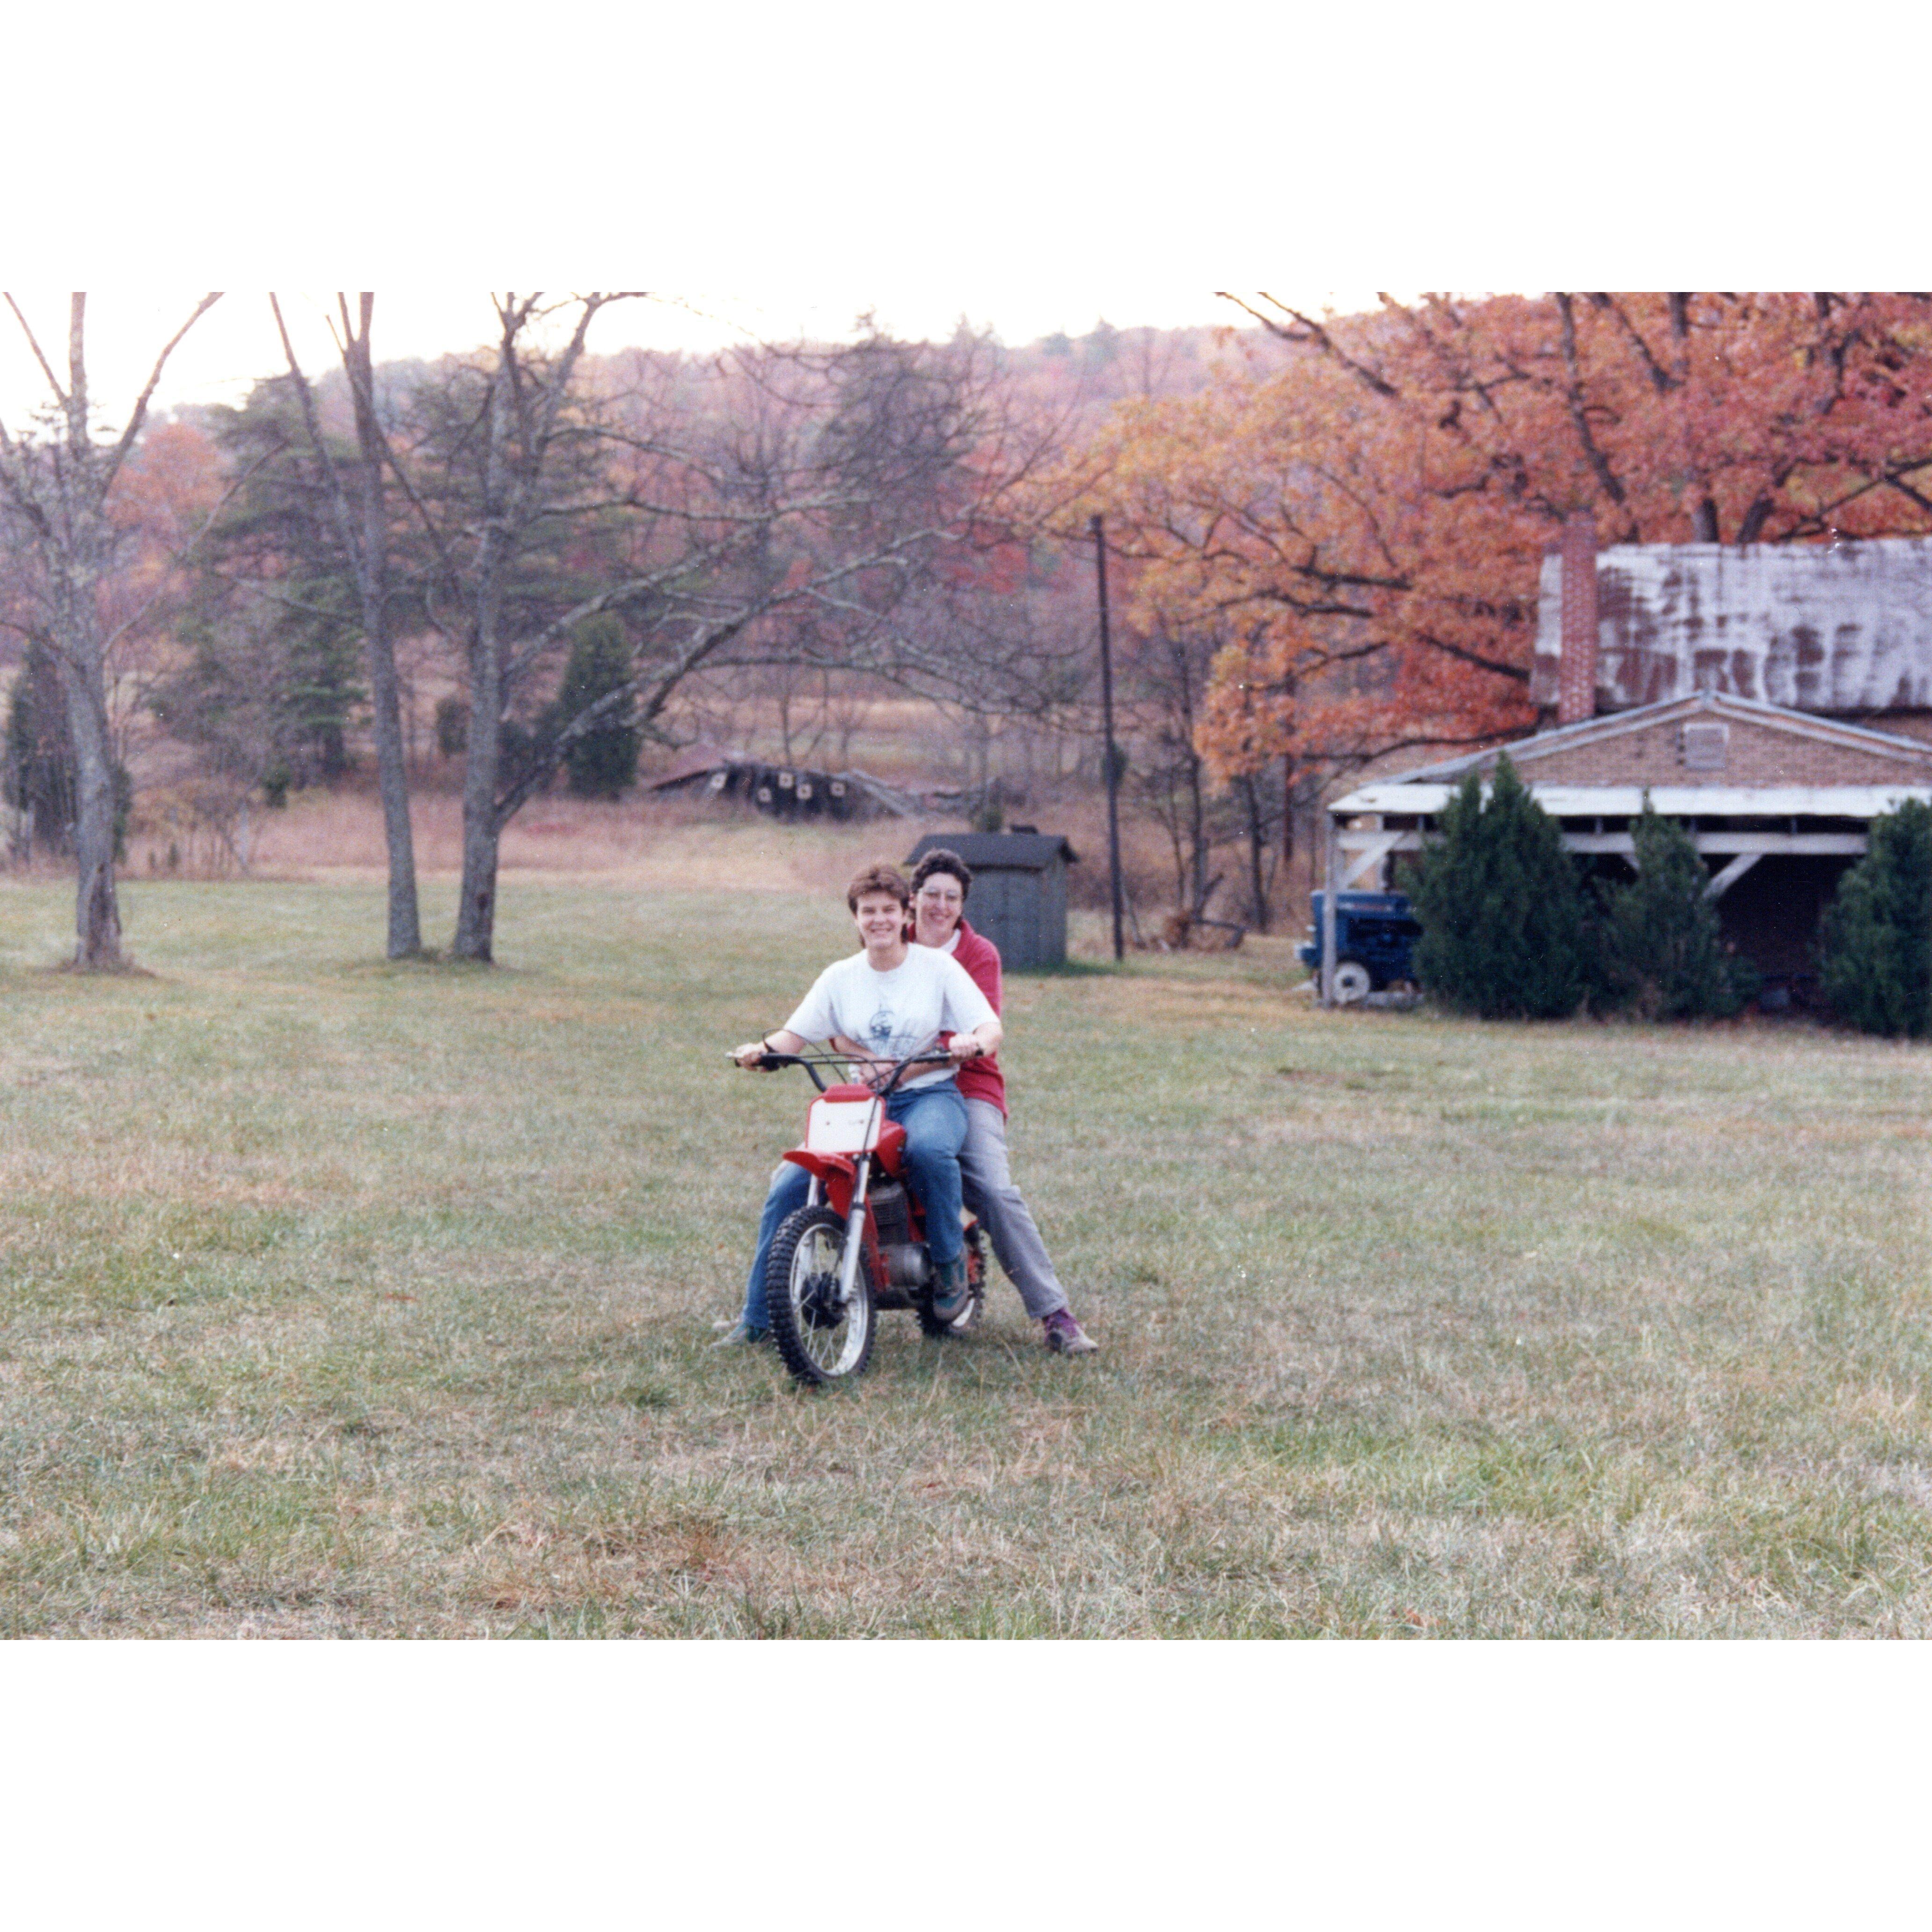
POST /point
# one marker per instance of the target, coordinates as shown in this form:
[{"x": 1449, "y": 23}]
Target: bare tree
[
  {"x": 59, "y": 481},
  {"x": 785, "y": 509},
  {"x": 364, "y": 530}
]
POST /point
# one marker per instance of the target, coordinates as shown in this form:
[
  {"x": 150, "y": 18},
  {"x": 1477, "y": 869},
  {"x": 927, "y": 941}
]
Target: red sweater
[{"x": 981, "y": 1079}]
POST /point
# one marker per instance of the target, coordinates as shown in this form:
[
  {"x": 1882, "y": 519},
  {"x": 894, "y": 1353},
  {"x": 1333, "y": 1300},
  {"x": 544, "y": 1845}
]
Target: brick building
[{"x": 1665, "y": 665}]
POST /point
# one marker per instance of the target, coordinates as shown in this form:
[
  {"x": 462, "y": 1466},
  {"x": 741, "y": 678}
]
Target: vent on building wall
[{"x": 1701, "y": 747}]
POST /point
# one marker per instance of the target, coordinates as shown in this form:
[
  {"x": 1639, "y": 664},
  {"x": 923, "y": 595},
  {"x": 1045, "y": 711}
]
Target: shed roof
[
  {"x": 999, "y": 851},
  {"x": 1697, "y": 704},
  {"x": 1405, "y": 792}
]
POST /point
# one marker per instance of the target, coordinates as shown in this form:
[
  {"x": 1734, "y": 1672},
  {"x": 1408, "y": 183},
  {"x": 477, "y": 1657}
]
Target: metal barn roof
[{"x": 1845, "y": 628}]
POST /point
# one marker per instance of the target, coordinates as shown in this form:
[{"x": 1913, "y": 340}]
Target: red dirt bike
[{"x": 858, "y": 1245}]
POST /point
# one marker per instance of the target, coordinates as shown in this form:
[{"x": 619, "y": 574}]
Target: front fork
[{"x": 855, "y": 1232}]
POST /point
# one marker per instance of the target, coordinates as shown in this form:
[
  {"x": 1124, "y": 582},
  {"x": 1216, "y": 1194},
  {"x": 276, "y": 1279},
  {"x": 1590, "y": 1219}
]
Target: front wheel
[{"x": 820, "y": 1341}]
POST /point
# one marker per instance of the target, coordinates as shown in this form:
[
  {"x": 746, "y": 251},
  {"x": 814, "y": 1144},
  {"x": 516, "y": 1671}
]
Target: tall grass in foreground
[{"x": 344, "y": 1298}]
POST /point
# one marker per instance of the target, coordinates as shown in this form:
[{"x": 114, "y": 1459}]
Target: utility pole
[
  {"x": 1113, "y": 750},
  {"x": 1330, "y": 891}
]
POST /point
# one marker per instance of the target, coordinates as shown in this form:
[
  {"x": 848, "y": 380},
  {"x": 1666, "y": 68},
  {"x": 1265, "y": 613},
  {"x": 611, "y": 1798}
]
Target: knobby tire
[{"x": 816, "y": 1355}]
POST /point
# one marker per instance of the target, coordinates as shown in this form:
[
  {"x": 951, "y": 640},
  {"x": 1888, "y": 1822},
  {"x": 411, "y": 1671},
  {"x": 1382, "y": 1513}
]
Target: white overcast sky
[
  {"x": 235, "y": 342},
  {"x": 774, "y": 170}
]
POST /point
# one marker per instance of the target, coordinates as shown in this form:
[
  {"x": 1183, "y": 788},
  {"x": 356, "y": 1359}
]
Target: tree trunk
[
  {"x": 1198, "y": 834},
  {"x": 1257, "y": 840},
  {"x": 405, "y": 937},
  {"x": 372, "y": 577},
  {"x": 97, "y": 912},
  {"x": 476, "y": 913},
  {"x": 482, "y": 828}
]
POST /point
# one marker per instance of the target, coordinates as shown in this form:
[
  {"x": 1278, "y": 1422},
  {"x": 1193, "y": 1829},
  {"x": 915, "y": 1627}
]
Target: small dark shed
[{"x": 1019, "y": 898}]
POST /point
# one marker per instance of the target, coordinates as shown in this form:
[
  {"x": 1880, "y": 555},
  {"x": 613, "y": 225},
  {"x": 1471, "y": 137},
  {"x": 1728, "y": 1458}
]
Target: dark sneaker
[
  {"x": 737, "y": 1336},
  {"x": 950, "y": 1290},
  {"x": 1065, "y": 1336}
]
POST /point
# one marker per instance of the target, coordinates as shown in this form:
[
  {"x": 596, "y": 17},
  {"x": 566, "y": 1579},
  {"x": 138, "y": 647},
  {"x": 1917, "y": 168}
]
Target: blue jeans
[{"x": 934, "y": 1119}]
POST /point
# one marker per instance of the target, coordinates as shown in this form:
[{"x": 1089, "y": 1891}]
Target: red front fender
[{"x": 835, "y": 1173}]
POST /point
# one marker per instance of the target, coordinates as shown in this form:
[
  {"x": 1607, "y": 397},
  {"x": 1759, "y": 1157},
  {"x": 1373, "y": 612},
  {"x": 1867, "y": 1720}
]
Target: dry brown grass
[
  {"x": 639, "y": 842},
  {"x": 642, "y": 843}
]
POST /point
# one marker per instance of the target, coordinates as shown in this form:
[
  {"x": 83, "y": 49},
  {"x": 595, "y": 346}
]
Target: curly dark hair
[
  {"x": 939, "y": 859},
  {"x": 879, "y": 878}
]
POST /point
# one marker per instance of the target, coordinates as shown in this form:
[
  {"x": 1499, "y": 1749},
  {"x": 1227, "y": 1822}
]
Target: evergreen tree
[
  {"x": 1501, "y": 907},
  {"x": 604, "y": 762},
  {"x": 1663, "y": 952},
  {"x": 1878, "y": 930},
  {"x": 320, "y": 646},
  {"x": 39, "y": 772},
  {"x": 277, "y": 619}
]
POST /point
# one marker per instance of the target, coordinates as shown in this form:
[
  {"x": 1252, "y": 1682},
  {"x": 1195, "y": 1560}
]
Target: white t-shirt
[{"x": 893, "y": 1014}]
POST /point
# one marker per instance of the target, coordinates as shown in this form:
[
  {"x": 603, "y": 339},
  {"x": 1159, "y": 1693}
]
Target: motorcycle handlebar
[{"x": 770, "y": 1063}]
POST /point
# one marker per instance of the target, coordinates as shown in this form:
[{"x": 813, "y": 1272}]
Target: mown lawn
[{"x": 343, "y": 1299}]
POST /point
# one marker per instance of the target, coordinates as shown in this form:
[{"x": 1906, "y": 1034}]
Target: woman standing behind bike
[{"x": 940, "y": 884}]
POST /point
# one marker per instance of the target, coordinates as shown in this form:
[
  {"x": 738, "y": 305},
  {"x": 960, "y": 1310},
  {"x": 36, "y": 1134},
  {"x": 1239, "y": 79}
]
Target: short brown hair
[
  {"x": 879, "y": 878},
  {"x": 939, "y": 859}
]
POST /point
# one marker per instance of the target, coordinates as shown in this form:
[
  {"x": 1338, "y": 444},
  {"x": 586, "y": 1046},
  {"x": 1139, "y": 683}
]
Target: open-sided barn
[{"x": 1664, "y": 663}]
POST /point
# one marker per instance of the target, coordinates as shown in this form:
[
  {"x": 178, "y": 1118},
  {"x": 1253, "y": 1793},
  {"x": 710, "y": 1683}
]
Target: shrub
[
  {"x": 1501, "y": 907},
  {"x": 452, "y": 727},
  {"x": 1662, "y": 951},
  {"x": 1878, "y": 930},
  {"x": 604, "y": 762}
]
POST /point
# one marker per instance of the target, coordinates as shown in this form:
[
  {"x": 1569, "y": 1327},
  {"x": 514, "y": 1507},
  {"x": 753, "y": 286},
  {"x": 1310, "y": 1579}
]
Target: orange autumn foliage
[{"x": 1364, "y": 527}]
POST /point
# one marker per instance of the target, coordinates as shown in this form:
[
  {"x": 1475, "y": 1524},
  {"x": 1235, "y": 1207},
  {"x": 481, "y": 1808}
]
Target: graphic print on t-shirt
[{"x": 881, "y": 1030}]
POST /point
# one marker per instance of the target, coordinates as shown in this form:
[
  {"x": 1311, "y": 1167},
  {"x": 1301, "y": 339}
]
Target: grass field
[{"x": 346, "y": 1299}]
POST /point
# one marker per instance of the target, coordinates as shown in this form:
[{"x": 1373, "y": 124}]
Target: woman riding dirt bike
[
  {"x": 859, "y": 1243},
  {"x": 883, "y": 1008}
]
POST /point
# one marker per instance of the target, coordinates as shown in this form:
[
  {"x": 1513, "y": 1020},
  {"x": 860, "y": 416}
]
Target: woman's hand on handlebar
[
  {"x": 753, "y": 1052},
  {"x": 975, "y": 1044}
]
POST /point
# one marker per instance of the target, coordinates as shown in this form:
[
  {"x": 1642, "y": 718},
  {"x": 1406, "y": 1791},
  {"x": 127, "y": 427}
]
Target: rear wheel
[
  {"x": 820, "y": 1341},
  {"x": 1350, "y": 983}
]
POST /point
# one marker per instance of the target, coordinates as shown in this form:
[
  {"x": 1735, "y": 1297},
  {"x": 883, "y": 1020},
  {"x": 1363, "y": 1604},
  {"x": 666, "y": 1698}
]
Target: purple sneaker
[{"x": 1065, "y": 1336}]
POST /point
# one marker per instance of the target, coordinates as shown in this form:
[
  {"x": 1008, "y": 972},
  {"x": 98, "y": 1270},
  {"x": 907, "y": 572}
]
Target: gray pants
[{"x": 989, "y": 1192}]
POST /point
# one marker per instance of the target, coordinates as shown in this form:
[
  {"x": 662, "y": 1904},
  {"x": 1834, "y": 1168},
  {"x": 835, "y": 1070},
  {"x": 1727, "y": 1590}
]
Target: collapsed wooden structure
[{"x": 793, "y": 792}]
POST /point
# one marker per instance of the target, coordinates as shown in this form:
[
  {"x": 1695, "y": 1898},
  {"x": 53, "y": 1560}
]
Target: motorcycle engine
[
  {"x": 906, "y": 1264},
  {"x": 891, "y": 1214}
]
